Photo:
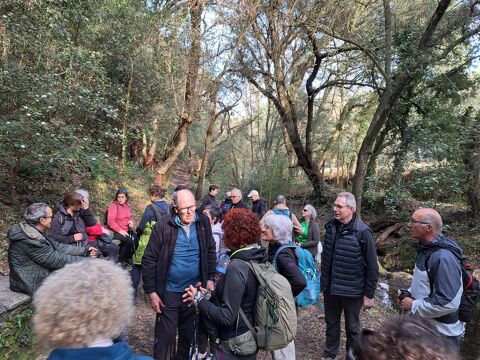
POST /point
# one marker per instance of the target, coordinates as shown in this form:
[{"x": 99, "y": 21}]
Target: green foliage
[
  {"x": 16, "y": 335},
  {"x": 445, "y": 184}
]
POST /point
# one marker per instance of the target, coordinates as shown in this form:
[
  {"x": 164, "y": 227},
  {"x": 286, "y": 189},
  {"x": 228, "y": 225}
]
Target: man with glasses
[
  {"x": 349, "y": 273},
  {"x": 180, "y": 253},
  {"x": 236, "y": 197},
  {"x": 437, "y": 286},
  {"x": 33, "y": 255}
]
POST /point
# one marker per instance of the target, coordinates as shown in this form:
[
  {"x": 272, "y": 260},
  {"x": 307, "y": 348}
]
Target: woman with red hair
[{"x": 236, "y": 289}]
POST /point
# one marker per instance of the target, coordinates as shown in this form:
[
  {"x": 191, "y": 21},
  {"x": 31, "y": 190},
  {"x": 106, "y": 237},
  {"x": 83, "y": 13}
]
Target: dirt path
[{"x": 310, "y": 336}]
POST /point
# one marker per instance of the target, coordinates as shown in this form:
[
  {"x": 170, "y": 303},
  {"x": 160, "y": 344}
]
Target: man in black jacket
[
  {"x": 33, "y": 255},
  {"x": 180, "y": 253},
  {"x": 209, "y": 199},
  {"x": 237, "y": 202},
  {"x": 259, "y": 204},
  {"x": 277, "y": 231},
  {"x": 349, "y": 273}
]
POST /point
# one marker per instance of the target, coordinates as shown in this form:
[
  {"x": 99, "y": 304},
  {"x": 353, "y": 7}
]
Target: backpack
[
  {"x": 470, "y": 300},
  {"x": 285, "y": 212},
  {"x": 306, "y": 263},
  {"x": 275, "y": 314},
  {"x": 226, "y": 206},
  {"x": 145, "y": 238}
]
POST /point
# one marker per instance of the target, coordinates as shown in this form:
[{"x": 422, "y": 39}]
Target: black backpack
[{"x": 470, "y": 299}]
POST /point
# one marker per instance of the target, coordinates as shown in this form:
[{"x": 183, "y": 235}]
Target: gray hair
[
  {"x": 175, "y": 196},
  {"x": 281, "y": 226},
  {"x": 311, "y": 210},
  {"x": 236, "y": 192},
  {"x": 349, "y": 198},
  {"x": 435, "y": 220},
  {"x": 215, "y": 212},
  {"x": 280, "y": 200},
  {"x": 35, "y": 212}
]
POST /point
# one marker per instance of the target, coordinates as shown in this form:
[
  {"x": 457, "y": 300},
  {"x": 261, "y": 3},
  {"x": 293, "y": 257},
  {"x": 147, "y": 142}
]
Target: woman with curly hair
[
  {"x": 237, "y": 288},
  {"x": 81, "y": 309}
]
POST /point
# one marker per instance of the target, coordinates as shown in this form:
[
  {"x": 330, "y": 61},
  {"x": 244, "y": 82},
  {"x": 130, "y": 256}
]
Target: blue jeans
[{"x": 136, "y": 275}]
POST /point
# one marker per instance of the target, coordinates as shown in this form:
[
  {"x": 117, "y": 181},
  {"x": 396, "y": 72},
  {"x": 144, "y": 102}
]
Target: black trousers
[
  {"x": 175, "y": 314},
  {"x": 334, "y": 305},
  {"x": 127, "y": 246}
]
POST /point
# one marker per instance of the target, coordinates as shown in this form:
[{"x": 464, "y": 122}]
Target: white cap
[{"x": 251, "y": 193}]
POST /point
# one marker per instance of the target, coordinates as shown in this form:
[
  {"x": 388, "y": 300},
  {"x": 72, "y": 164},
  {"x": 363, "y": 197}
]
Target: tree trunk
[
  {"x": 179, "y": 140},
  {"x": 388, "y": 100},
  {"x": 150, "y": 146},
  {"x": 471, "y": 159},
  {"x": 127, "y": 108},
  {"x": 207, "y": 144}
]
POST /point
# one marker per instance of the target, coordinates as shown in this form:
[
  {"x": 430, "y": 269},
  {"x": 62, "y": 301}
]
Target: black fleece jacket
[
  {"x": 237, "y": 288},
  {"x": 287, "y": 266},
  {"x": 158, "y": 255}
]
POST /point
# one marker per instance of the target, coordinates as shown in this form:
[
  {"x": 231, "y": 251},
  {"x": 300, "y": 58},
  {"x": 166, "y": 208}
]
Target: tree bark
[
  {"x": 179, "y": 140},
  {"x": 471, "y": 159},
  {"x": 150, "y": 146},
  {"x": 388, "y": 100},
  {"x": 207, "y": 144},
  {"x": 127, "y": 108}
]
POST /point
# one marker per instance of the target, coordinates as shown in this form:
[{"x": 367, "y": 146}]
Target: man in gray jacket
[
  {"x": 32, "y": 255},
  {"x": 437, "y": 286}
]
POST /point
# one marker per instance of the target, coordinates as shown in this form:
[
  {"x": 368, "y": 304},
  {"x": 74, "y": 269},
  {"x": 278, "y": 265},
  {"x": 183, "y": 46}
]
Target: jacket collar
[{"x": 32, "y": 232}]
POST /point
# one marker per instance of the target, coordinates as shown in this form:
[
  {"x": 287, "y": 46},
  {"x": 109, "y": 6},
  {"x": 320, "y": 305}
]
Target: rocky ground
[{"x": 309, "y": 341}]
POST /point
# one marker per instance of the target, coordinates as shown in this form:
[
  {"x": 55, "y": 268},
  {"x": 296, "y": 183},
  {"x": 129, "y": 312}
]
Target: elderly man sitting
[{"x": 32, "y": 255}]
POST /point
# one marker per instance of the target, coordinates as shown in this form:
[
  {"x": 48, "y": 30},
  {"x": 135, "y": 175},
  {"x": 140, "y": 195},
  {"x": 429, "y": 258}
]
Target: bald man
[
  {"x": 437, "y": 278},
  {"x": 180, "y": 253}
]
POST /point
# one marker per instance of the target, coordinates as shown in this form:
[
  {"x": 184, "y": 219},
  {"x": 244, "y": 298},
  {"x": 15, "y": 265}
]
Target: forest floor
[{"x": 309, "y": 340}]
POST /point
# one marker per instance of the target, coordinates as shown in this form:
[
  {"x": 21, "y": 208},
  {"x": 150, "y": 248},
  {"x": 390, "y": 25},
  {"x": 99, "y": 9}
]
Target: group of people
[{"x": 196, "y": 268}]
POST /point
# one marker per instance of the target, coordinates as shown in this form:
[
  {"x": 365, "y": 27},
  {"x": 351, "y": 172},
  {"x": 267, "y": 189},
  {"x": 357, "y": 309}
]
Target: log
[{"x": 388, "y": 231}]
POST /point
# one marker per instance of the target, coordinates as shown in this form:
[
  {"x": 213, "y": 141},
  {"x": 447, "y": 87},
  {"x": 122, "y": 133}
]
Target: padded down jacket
[{"x": 32, "y": 256}]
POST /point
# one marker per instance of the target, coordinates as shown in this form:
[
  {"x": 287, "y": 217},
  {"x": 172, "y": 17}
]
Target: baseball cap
[{"x": 251, "y": 193}]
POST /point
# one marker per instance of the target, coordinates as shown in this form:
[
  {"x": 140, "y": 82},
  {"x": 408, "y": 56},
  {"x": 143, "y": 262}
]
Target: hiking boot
[{"x": 327, "y": 357}]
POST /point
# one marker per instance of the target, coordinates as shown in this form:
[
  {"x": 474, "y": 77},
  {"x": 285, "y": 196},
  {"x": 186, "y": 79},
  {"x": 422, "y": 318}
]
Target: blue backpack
[
  {"x": 286, "y": 212},
  {"x": 306, "y": 263}
]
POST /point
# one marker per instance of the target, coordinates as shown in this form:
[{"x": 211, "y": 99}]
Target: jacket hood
[
  {"x": 61, "y": 208},
  {"x": 118, "y": 351},
  {"x": 252, "y": 252},
  {"x": 19, "y": 231},
  {"x": 441, "y": 242}
]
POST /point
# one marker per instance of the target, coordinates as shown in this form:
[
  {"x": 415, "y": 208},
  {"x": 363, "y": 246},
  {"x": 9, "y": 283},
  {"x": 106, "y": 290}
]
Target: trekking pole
[{"x": 193, "y": 352}]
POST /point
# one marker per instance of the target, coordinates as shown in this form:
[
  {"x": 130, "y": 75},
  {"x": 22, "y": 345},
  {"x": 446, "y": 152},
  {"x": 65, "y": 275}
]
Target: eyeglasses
[
  {"x": 412, "y": 221},
  {"x": 305, "y": 210},
  {"x": 234, "y": 196},
  {"x": 186, "y": 210},
  {"x": 47, "y": 217},
  {"x": 339, "y": 207}
]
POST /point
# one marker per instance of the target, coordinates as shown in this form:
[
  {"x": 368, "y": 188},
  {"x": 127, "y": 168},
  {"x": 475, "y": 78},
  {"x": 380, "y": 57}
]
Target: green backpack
[
  {"x": 275, "y": 314},
  {"x": 145, "y": 237}
]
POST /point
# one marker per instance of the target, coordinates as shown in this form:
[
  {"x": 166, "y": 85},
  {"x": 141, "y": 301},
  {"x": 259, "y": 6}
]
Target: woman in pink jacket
[{"x": 120, "y": 221}]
